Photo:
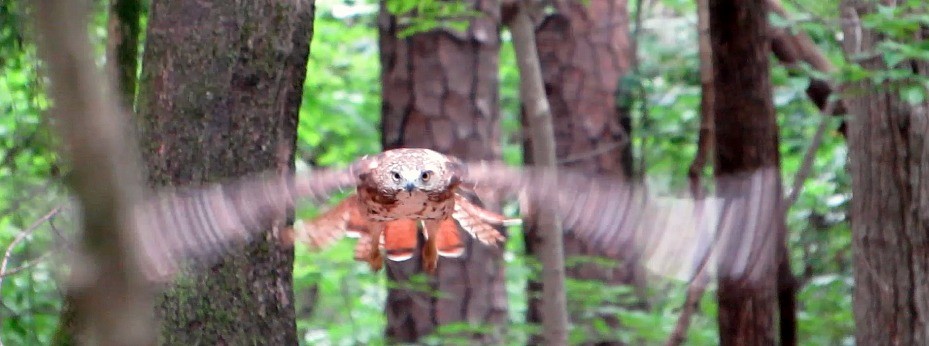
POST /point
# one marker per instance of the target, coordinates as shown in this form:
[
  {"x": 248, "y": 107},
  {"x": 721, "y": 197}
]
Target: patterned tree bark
[
  {"x": 219, "y": 96},
  {"x": 440, "y": 92},
  {"x": 584, "y": 51},
  {"x": 890, "y": 169}
]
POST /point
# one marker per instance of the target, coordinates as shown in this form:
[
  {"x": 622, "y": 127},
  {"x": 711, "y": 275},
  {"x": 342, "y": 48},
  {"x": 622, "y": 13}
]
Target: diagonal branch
[{"x": 793, "y": 49}]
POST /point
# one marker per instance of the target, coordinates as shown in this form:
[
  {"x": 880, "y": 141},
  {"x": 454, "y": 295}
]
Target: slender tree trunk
[
  {"x": 440, "y": 92},
  {"x": 106, "y": 291},
  {"x": 889, "y": 169},
  {"x": 219, "y": 96},
  {"x": 702, "y": 159},
  {"x": 122, "y": 56},
  {"x": 537, "y": 116},
  {"x": 583, "y": 48},
  {"x": 123, "y": 46},
  {"x": 746, "y": 140}
]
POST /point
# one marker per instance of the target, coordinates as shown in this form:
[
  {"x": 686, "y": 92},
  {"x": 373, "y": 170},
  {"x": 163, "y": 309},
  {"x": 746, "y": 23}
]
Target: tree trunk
[
  {"x": 584, "y": 48},
  {"x": 109, "y": 299},
  {"x": 746, "y": 140},
  {"x": 219, "y": 96},
  {"x": 440, "y": 92},
  {"x": 122, "y": 54},
  {"x": 122, "y": 43},
  {"x": 888, "y": 164}
]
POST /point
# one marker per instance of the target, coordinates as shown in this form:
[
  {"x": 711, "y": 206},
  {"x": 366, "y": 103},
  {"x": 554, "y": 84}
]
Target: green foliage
[
  {"x": 341, "y": 101},
  {"x": 29, "y": 301},
  {"x": 341, "y": 303},
  {"x": 416, "y": 16},
  {"x": 900, "y": 44}
]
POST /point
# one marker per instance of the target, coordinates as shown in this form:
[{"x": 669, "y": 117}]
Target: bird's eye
[
  {"x": 426, "y": 175},
  {"x": 396, "y": 175}
]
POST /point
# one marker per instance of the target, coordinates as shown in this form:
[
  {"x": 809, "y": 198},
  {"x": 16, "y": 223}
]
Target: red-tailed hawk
[
  {"x": 398, "y": 189},
  {"x": 398, "y": 192}
]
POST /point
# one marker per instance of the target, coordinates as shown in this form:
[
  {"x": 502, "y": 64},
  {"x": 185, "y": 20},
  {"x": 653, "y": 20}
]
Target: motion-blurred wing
[
  {"x": 204, "y": 223},
  {"x": 729, "y": 234},
  {"x": 343, "y": 220},
  {"x": 480, "y": 222}
]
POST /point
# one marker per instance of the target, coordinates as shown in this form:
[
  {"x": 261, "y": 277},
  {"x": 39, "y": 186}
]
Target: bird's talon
[
  {"x": 375, "y": 261},
  {"x": 430, "y": 259}
]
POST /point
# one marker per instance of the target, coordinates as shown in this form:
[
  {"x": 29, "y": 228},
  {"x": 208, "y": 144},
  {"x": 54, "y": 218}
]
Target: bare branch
[
  {"x": 703, "y": 156},
  {"x": 19, "y": 238},
  {"x": 807, "y": 165},
  {"x": 694, "y": 293},
  {"x": 792, "y": 49},
  {"x": 601, "y": 149}
]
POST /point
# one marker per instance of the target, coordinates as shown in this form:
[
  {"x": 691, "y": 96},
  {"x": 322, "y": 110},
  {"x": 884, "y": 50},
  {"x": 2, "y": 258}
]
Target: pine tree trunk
[
  {"x": 219, "y": 97},
  {"x": 746, "y": 139},
  {"x": 584, "y": 51},
  {"x": 889, "y": 169},
  {"x": 440, "y": 92}
]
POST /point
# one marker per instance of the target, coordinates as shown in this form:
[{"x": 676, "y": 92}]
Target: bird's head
[
  {"x": 412, "y": 179},
  {"x": 412, "y": 171}
]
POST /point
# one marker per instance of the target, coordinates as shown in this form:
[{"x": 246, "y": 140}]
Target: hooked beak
[{"x": 409, "y": 187}]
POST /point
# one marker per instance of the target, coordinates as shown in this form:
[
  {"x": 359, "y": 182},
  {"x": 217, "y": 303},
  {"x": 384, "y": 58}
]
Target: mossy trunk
[{"x": 219, "y": 97}]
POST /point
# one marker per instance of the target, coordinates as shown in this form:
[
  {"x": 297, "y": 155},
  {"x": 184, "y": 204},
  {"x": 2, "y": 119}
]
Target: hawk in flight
[
  {"x": 400, "y": 191},
  {"x": 397, "y": 192}
]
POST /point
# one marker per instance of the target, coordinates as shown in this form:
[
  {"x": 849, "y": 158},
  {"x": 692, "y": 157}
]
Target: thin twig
[
  {"x": 28, "y": 264},
  {"x": 22, "y": 236},
  {"x": 19, "y": 238},
  {"x": 602, "y": 149},
  {"x": 810, "y": 154},
  {"x": 697, "y": 286},
  {"x": 694, "y": 292}
]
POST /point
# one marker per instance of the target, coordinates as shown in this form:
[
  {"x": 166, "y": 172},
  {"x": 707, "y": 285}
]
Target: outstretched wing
[
  {"x": 206, "y": 222},
  {"x": 730, "y": 234}
]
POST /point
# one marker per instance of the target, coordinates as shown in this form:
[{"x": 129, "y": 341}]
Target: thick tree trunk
[
  {"x": 440, "y": 92},
  {"x": 888, "y": 164},
  {"x": 584, "y": 48},
  {"x": 219, "y": 97},
  {"x": 746, "y": 139}
]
